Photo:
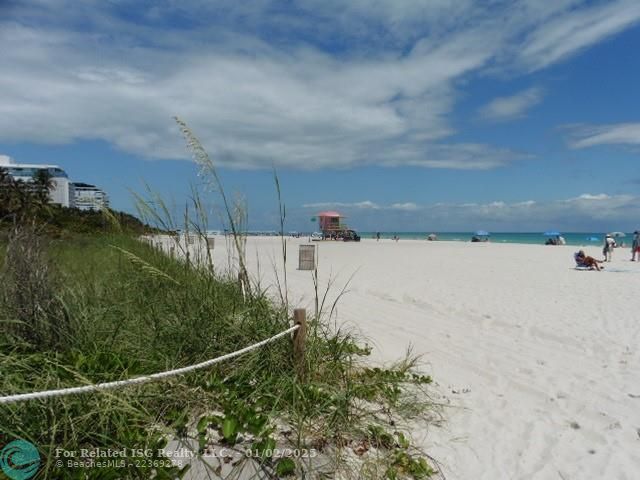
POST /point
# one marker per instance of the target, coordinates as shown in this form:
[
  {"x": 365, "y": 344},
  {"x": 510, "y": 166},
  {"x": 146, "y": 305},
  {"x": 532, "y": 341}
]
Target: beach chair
[{"x": 579, "y": 264}]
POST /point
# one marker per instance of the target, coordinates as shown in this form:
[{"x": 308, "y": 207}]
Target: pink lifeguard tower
[{"x": 330, "y": 223}]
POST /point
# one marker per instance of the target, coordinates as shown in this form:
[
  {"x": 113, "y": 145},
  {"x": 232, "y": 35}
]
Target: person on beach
[
  {"x": 377, "y": 236},
  {"x": 584, "y": 260},
  {"x": 635, "y": 246},
  {"x": 607, "y": 249}
]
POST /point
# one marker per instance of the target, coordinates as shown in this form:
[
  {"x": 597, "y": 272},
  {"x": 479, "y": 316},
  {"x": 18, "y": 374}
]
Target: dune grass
[
  {"x": 131, "y": 310},
  {"x": 77, "y": 309}
]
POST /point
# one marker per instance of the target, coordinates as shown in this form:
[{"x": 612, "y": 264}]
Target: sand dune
[{"x": 540, "y": 362}]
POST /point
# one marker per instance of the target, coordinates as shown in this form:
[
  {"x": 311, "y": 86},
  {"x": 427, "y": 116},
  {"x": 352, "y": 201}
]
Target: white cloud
[
  {"x": 577, "y": 29},
  {"x": 6, "y": 160},
  {"x": 588, "y": 196},
  {"x": 459, "y": 156},
  {"x": 408, "y": 206},
  {"x": 324, "y": 84},
  {"x": 513, "y": 106},
  {"x": 366, "y": 204},
  {"x": 584, "y": 136},
  {"x": 363, "y": 205},
  {"x": 586, "y": 212}
]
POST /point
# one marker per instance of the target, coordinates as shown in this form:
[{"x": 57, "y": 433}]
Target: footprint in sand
[
  {"x": 460, "y": 391},
  {"x": 381, "y": 296}
]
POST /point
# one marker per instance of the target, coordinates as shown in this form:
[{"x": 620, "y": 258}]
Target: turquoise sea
[{"x": 535, "y": 238}]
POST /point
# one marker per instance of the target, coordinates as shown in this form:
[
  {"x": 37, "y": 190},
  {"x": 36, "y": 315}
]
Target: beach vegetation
[{"x": 84, "y": 307}]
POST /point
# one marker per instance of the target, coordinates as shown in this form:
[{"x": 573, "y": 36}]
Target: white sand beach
[{"x": 540, "y": 362}]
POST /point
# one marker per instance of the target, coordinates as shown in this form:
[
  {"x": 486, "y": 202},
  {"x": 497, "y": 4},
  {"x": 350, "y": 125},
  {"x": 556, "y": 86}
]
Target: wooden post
[
  {"x": 210, "y": 242},
  {"x": 299, "y": 340},
  {"x": 172, "y": 250},
  {"x": 242, "y": 285}
]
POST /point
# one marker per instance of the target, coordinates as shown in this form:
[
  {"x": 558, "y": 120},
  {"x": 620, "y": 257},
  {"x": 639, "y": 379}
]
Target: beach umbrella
[
  {"x": 482, "y": 233},
  {"x": 618, "y": 234},
  {"x": 552, "y": 233}
]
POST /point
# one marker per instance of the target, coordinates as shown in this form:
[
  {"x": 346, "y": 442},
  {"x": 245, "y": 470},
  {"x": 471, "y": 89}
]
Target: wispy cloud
[
  {"x": 324, "y": 84},
  {"x": 407, "y": 207},
  {"x": 512, "y": 106},
  {"x": 589, "y": 196},
  {"x": 366, "y": 204},
  {"x": 584, "y": 136},
  {"x": 458, "y": 156},
  {"x": 575, "y": 30},
  {"x": 363, "y": 205}
]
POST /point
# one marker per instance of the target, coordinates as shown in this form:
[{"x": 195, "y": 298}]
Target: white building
[
  {"x": 89, "y": 197},
  {"x": 62, "y": 189}
]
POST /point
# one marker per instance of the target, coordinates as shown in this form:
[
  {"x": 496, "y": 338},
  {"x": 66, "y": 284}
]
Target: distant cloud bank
[{"x": 586, "y": 212}]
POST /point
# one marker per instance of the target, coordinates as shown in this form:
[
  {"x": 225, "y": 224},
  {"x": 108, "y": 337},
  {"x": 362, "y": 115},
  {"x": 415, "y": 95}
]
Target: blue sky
[{"x": 520, "y": 115}]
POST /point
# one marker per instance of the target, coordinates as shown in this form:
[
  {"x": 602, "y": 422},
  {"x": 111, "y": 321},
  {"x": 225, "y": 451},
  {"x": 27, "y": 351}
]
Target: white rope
[{"x": 155, "y": 376}]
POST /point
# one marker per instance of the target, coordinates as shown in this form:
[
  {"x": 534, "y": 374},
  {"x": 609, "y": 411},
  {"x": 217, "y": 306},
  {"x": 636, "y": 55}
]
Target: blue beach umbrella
[
  {"x": 552, "y": 234},
  {"x": 482, "y": 233}
]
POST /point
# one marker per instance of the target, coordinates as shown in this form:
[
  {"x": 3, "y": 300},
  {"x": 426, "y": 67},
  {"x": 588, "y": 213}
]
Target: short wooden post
[
  {"x": 172, "y": 251},
  {"x": 210, "y": 242},
  {"x": 299, "y": 340}
]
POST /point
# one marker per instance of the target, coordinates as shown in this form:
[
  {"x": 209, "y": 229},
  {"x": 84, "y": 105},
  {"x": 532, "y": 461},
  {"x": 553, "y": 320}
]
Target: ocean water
[{"x": 533, "y": 238}]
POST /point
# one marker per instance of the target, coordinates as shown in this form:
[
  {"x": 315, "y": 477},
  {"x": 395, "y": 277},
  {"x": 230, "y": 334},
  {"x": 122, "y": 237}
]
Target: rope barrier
[{"x": 138, "y": 380}]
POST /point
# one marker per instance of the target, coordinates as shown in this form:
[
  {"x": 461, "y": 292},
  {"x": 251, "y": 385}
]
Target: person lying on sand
[{"x": 586, "y": 261}]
